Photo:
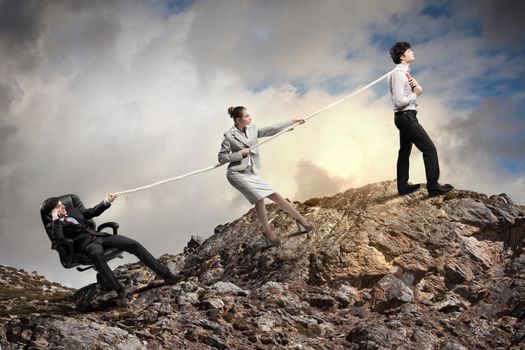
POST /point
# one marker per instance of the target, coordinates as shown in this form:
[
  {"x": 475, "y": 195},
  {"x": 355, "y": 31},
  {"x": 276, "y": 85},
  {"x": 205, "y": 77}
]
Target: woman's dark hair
[
  {"x": 399, "y": 50},
  {"x": 236, "y": 112}
]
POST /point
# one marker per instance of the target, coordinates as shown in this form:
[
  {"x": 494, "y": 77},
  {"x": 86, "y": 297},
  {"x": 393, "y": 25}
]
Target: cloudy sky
[{"x": 102, "y": 96}]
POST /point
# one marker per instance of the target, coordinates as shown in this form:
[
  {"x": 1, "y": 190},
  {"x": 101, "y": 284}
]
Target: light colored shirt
[
  {"x": 69, "y": 218},
  {"x": 401, "y": 92},
  {"x": 250, "y": 163},
  {"x": 72, "y": 219}
]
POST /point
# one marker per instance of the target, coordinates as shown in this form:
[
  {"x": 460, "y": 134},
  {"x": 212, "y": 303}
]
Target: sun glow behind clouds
[{"x": 141, "y": 90}]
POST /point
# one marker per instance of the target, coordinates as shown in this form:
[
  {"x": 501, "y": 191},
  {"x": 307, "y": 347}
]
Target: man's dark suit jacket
[{"x": 82, "y": 234}]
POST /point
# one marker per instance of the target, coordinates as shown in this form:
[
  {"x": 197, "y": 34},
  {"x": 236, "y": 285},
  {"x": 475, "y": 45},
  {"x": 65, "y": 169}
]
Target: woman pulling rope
[{"x": 239, "y": 150}]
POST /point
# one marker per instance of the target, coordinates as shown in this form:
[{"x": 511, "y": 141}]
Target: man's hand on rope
[
  {"x": 298, "y": 121},
  {"x": 110, "y": 198},
  {"x": 245, "y": 152}
]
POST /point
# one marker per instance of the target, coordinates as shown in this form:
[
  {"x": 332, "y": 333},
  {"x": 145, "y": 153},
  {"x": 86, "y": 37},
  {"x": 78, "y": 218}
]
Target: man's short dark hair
[
  {"x": 399, "y": 50},
  {"x": 50, "y": 204}
]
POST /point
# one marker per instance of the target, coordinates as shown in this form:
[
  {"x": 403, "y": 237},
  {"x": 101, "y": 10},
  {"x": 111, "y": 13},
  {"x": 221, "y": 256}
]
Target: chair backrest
[{"x": 69, "y": 201}]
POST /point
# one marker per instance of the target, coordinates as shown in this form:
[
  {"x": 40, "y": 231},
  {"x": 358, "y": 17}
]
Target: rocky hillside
[{"x": 380, "y": 272}]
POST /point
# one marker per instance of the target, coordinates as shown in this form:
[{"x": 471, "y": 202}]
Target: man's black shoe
[
  {"x": 439, "y": 190},
  {"x": 170, "y": 278},
  {"x": 121, "y": 298},
  {"x": 408, "y": 189}
]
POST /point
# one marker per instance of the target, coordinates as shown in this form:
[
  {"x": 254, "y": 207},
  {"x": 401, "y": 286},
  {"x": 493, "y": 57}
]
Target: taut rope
[{"x": 268, "y": 139}]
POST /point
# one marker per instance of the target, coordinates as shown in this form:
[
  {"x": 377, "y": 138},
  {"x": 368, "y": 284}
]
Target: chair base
[{"x": 84, "y": 296}]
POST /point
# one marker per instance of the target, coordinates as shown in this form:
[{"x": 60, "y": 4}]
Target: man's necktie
[
  {"x": 72, "y": 221},
  {"x": 409, "y": 77}
]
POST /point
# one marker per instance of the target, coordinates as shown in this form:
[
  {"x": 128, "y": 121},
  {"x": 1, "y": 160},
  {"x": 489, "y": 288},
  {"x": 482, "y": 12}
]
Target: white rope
[{"x": 268, "y": 139}]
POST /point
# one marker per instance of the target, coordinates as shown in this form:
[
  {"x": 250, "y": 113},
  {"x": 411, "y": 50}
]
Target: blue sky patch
[
  {"x": 512, "y": 167},
  {"x": 436, "y": 11},
  {"x": 261, "y": 85},
  {"x": 474, "y": 29},
  {"x": 177, "y": 6},
  {"x": 300, "y": 86},
  {"x": 383, "y": 40},
  {"x": 484, "y": 87}
]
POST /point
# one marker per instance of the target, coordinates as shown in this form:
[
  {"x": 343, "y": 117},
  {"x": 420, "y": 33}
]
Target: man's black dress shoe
[
  {"x": 439, "y": 190},
  {"x": 121, "y": 298},
  {"x": 408, "y": 189},
  {"x": 170, "y": 278}
]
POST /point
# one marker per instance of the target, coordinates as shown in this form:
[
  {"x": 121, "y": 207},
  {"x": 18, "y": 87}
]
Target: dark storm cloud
[
  {"x": 504, "y": 21},
  {"x": 501, "y": 22},
  {"x": 8, "y": 93},
  {"x": 95, "y": 112},
  {"x": 494, "y": 130},
  {"x": 21, "y": 24},
  {"x": 6, "y": 131},
  {"x": 35, "y": 41},
  {"x": 482, "y": 150}
]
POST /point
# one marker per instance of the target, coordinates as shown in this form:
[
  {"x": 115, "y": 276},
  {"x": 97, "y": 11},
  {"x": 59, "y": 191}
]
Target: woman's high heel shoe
[
  {"x": 273, "y": 243},
  {"x": 304, "y": 228}
]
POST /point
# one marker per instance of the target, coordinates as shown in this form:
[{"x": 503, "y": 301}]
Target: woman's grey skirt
[{"x": 252, "y": 186}]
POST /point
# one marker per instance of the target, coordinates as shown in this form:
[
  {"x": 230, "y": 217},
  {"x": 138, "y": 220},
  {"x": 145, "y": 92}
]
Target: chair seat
[{"x": 83, "y": 259}]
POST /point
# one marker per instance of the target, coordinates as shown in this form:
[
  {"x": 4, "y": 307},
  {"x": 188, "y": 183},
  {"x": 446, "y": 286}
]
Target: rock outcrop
[{"x": 380, "y": 272}]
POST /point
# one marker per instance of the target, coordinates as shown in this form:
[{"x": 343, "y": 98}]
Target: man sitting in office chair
[{"x": 74, "y": 225}]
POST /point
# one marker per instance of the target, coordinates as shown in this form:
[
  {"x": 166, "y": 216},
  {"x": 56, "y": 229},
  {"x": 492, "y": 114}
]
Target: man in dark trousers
[
  {"x": 405, "y": 90},
  {"x": 74, "y": 225}
]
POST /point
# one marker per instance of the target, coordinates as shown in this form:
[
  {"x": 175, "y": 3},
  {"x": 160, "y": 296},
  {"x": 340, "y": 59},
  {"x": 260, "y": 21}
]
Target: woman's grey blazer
[{"x": 234, "y": 142}]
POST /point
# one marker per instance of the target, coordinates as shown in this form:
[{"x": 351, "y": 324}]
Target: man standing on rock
[{"x": 404, "y": 91}]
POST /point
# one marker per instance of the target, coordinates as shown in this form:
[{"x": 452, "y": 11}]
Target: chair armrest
[
  {"x": 65, "y": 250},
  {"x": 112, "y": 225}
]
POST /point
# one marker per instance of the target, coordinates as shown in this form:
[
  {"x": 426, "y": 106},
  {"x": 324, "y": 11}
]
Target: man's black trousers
[
  {"x": 95, "y": 251},
  {"x": 411, "y": 132}
]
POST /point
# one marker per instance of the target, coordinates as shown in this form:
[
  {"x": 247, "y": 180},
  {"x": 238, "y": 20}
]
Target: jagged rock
[
  {"x": 516, "y": 266},
  {"x": 320, "y": 300},
  {"x": 380, "y": 272},
  {"x": 345, "y": 293},
  {"x": 372, "y": 336},
  {"x": 212, "y": 276},
  {"x": 424, "y": 340},
  {"x": 210, "y": 325},
  {"x": 391, "y": 292},
  {"x": 451, "y": 303},
  {"x": 68, "y": 333},
  {"x": 519, "y": 333},
  {"x": 228, "y": 288},
  {"x": 478, "y": 251},
  {"x": 452, "y": 346},
  {"x": 271, "y": 289},
  {"x": 201, "y": 336},
  {"x": 471, "y": 211},
  {"x": 189, "y": 286},
  {"x": 456, "y": 274},
  {"x": 193, "y": 244},
  {"x": 186, "y": 299},
  {"x": 291, "y": 302},
  {"x": 265, "y": 323},
  {"x": 212, "y": 303}
]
